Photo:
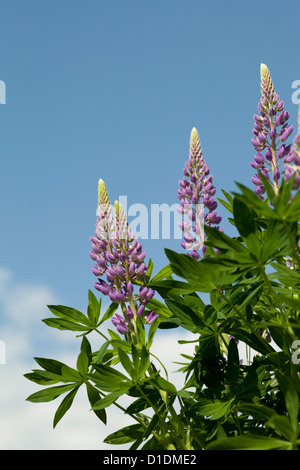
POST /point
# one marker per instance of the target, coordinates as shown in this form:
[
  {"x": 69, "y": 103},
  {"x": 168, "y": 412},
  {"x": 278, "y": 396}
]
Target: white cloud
[{"x": 28, "y": 426}]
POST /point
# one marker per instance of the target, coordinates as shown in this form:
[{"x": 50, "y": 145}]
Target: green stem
[
  {"x": 165, "y": 440},
  {"x": 101, "y": 334}
]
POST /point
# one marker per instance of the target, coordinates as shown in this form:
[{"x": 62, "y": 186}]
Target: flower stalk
[
  {"x": 120, "y": 257},
  {"x": 197, "y": 204},
  {"x": 271, "y": 131}
]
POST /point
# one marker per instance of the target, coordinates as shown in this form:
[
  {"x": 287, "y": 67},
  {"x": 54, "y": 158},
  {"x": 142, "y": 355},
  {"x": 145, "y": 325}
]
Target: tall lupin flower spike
[
  {"x": 292, "y": 166},
  {"x": 271, "y": 131},
  {"x": 196, "y": 194},
  {"x": 120, "y": 257}
]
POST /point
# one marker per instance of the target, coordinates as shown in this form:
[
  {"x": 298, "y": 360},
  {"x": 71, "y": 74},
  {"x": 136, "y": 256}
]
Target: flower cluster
[
  {"x": 120, "y": 256},
  {"x": 271, "y": 131},
  {"x": 292, "y": 166},
  {"x": 196, "y": 193}
]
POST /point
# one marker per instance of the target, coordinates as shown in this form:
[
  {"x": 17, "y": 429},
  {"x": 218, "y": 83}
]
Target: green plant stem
[
  {"x": 165, "y": 370},
  {"x": 178, "y": 428},
  {"x": 101, "y": 334},
  {"x": 237, "y": 421},
  {"x": 165, "y": 440}
]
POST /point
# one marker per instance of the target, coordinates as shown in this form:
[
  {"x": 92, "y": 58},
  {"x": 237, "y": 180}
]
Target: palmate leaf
[
  {"x": 185, "y": 316},
  {"x": 109, "y": 379},
  {"x": 213, "y": 409},
  {"x": 205, "y": 275}
]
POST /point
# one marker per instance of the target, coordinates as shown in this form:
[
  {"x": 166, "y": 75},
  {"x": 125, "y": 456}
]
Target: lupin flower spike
[
  {"x": 196, "y": 194},
  {"x": 120, "y": 257},
  {"x": 271, "y": 131},
  {"x": 292, "y": 166}
]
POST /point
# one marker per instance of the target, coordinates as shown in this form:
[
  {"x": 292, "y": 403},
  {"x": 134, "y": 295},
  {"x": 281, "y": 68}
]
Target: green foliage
[{"x": 253, "y": 283}]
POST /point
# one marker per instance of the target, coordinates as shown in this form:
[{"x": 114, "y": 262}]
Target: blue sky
[{"x": 112, "y": 90}]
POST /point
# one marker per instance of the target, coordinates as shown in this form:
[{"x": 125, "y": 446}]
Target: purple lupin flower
[
  {"x": 197, "y": 203},
  {"x": 120, "y": 257},
  {"x": 292, "y": 166},
  {"x": 271, "y": 131}
]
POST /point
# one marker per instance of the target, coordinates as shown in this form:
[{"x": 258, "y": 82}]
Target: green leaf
[
  {"x": 107, "y": 401},
  {"x": 43, "y": 377},
  {"x": 82, "y": 363},
  {"x": 149, "y": 270},
  {"x": 243, "y": 218},
  {"x": 109, "y": 379},
  {"x": 249, "y": 442},
  {"x": 49, "y": 394},
  {"x": 125, "y": 361},
  {"x": 70, "y": 314},
  {"x": 233, "y": 366},
  {"x": 213, "y": 409},
  {"x": 94, "y": 397},
  {"x": 282, "y": 425},
  {"x": 50, "y": 365},
  {"x": 293, "y": 209},
  {"x": 260, "y": 412},
  {"x": 101, "y": 353},
  {"x": 252, "y": 200},
  {"x": 94, "y": 308},
  {"x": 170, "y": 288},
  {"x": 164, "y": 384},
  {"x": 64, "y": 406},
  {"x": 186, "y": 317},
  {"x": 154, "y": 421},
  {"x": 253, "y": 384},
  {"x": 62, "y": 324},
  {"x": 144, "y": 362},
  {"x": 165, "y": 272},
  {"x": 125, "y": 435},
  {"x": 152, "y": 330},
  {"x": 58, "y": 369},
  {"x": 159, "y": 307},
  {"x": 109, "y": 312},
  {"x": 292, "y": 404},
  {"x": 289, "y": 389}
]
